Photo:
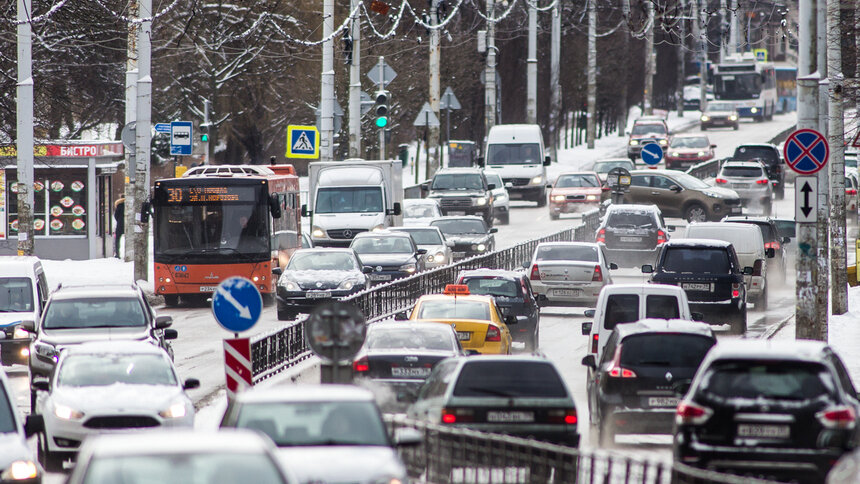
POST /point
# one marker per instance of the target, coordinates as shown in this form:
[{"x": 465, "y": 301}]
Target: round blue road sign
[
  {"x": 652, "y": 154},
  {"x": 237, "y": 304},
  {"x": 806, "y": 151}
]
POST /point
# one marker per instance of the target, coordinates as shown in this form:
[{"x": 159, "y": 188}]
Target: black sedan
[
  {"x": 314, "y": 276},
  {"x": 389, "y": 255},
  {"x": 471, "y": 235}
]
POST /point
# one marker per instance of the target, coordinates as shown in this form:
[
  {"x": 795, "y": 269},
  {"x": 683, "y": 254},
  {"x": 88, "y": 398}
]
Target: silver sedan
[{"x": 569, "y": 273}]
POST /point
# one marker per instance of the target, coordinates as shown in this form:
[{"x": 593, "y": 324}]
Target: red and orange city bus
[{"x": 219, "y": 221}]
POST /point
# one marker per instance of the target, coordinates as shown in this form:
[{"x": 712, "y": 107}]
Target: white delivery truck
[
  {"x": 353, "y": 196},
  {"x": 516, "y": 152}
]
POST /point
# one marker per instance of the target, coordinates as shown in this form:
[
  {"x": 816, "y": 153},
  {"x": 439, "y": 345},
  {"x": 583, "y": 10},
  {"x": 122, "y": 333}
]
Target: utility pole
[
  {"x": 700, "y": 33},
  {"x": 836, "y": 138},
  {"x": 724, "y": 25},
  {"x": 531, "y": 68},
  {"x": 209, "y": 130},
  {"x": 355, "y": 85},
  {"x": 624, "y": 59},
  {"x": 142, "y": 142},
  {"x": 490, "y": 72},
  {"x": 649, "y": 63},
  {"x": 821, "y": 63},
  {"x": 554, "y": 85},
  {"x": 682, "y": 43},
  {"x": 327, "y": 88},
  {"x": 130, "y": 117},
  {"x": 734, "y": 32},
  {"x": 435, "y": 52},
  {"x": 823, "y": 227},
  {"x": 590, "y": 116},
  {"x": 24, "y": 121}
]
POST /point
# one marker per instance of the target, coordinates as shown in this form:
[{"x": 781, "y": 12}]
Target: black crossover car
[
  {"x": 462, "y": 191},
  {"x": 710, "y": 274},
  {"x": 782, "y": 410},
  {"x": 632, "y": 389},
  {"x": 632, "y": 234},
  {"x": 471, "y": 235}
]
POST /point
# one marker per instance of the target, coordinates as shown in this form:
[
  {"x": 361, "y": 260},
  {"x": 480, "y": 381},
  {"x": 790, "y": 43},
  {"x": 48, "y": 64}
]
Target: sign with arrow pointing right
[{"x": 806, "y": 199}]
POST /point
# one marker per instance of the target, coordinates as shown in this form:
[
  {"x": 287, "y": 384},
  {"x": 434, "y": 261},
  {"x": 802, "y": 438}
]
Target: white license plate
[
  {"x": 741, "y": 185},
  {"x": 695, "y": 286},
  {"x": 662, "y": 402},
  {"x": 567, "y": 292},
  {"x": 208, "y": 288},
  {"x": 410, "y": 372},
  {"x": 380, "y": 277},
  {"x": 464, "y": 335},
  {"x": 764, "y": 431},
  {"x": 456, "y": 212},
  {"x": 631, "y": 239},
  {"x": 736, "y": 209},
  {"x": 510, "y": 417},
  {"x": 458, "y": 255},
  {"x": 318, "y": 294}
]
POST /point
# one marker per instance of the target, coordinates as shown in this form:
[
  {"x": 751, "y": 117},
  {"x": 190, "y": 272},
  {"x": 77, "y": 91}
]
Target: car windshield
[
  {"x": 492, "y": 286},
  {"x": 315, "y": 423},
  {"x": 382, "y": 245},
  {"x": 781, "y": 380},
  {"x": 583, "y": 253},
  {"x": 649, "y": 128},
  {"x": 211, "y": 467},
  {"x": 460, "y": 226},
  {"x": 457, "y": 181},
  {"x": 605, "y": 166},
  {"x": 453, "y": 309},
  {"x": 349, "y": 200},
  {"x": 509, "y": 379},
  {"x": 424, "y": 338},
  {"x": 764, "y": 153},
  {"x": 717, "y": 107},
  {"x": 425, "y": 237},
  {"x": 16, "y": 295},
  {"x": 322, "y": 261},
  {"x": 630, "y": 220},
  {"x": 577, "y": 181},
  {"x": 690, "y": 142},
  {"x": 420, "y": 211},
  {"x": 696, "y": 260},
  {"x": 108, "y": 369},
  {"x": 94, "y": 312},
  {"x": 667, "y": 350},
  {"x": 513, "y": 154},
  {"x": 743, "y": 171}
]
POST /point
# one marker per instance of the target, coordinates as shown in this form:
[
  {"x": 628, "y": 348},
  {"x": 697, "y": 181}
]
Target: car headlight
[
  {"x": 177, "y": 410},
  {"x": 676, "y": 154},
  {"x": 317, "y": 233},
  {"x": 712, "y": 194},
  {"x": 733, "y": 117},
  {"x": 46, "y": 350},
  {"x": 481, "y": 201},
  {"x": 701, "y": 153},
  {"x": 410, "y": 267},
  {"x": 753, "y": 110},
  {"x": 387, "y": 480},
  {"x": 633, "y": 142},
  {"x": 705, "y": 118},
  {"x": 438, "y": 258},
  {"x": 289, "y": 284},
  {"x": 20, "y": 470},
  {"x": 591, "y": 198},
  {"x": 67, "y": 413},
  {"x": 558, "y": 198},
  {"x": 348, "y": 284},
  {"x": 663, "y": 142},
  {"x": 20, "y": 333},
  {"x": 481, "y": 247},
  {"x": 537, "y": 180},
  {"x": 378, "y": 228}
]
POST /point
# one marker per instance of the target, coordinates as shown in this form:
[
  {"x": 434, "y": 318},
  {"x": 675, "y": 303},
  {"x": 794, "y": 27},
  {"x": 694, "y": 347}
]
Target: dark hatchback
[
  {"x": 389, "y": 255},
  {"x": 471, "y": 235},
  {"x": 768, "y": 154},
  {"x": 631, "y": 234},
  {"x": 632, "y": 389},
  {"x": 782, "y": 410},
  {"x": 514, "y": 296},
  {"x": 710, "y": 274}
]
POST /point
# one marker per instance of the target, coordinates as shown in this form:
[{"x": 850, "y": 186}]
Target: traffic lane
[{"x": 530, "y": 222}]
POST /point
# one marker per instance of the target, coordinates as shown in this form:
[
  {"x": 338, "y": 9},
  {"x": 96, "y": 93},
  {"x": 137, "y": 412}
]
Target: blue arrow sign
[
  {"x": 180, "y": 138},
  {"x": 162, "y": 128},
  {"x": 237, "y": 304},
  {"x": 652, "y": 154}
]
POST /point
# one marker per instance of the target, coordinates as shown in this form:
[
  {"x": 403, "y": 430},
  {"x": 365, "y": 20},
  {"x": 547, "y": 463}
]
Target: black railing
[{"x": 706, "y": 169}]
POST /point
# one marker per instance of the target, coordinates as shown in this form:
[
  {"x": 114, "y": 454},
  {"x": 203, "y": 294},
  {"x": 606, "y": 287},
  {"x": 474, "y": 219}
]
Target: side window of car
[
  {"x": 641, "y": 181},
  {"x": 609, "y": 349},
  {"x": 42, "y": 291},
  {"x": 661, "y": 182},
  {"x": 844, "y": 378}
]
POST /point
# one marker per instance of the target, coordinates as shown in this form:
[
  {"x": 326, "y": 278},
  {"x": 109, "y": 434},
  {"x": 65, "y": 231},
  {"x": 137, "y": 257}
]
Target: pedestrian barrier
[{"x": 706, "y": 169}]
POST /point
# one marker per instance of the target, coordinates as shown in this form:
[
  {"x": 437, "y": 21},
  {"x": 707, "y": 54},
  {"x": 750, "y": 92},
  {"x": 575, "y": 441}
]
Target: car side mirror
[
  {"x": 479, "y": 161},
  {"x": 191, "y": 384},
  {"x": 395, "y": 210},
  {"x": 449, "y": 243},
  {"x": 274, "y": 206},
  {"x": 401, "y": 316},
  {"x": 28, "y": 325},
  {"x": 277, "y": 271},
  {"x": 493, "y": 230},
  {"x": 713, "y": 146},
  {"x": 171, "y": 334},
  {"x": 510, "y": 320},
  {"x": 589, "y": 313},
  {"x": 647, "y": 269},
  {"x": 491, "y": 186},
  {"x": 770, "y": 252},
  {"x": 613, "y": 266},
  {"x": 40, "y": 385},
  {"x": 425, "y": 186},
  {"x": 697, "y": 316},
  {"x": 681, "y": 387},
  {"x": 748, "y": 271},
  {"x": 526, "y": 264},
  {"x": 588, "y": 360},
  {"x": 586, "y": 328},
  {"x": 305, "y": 212},
  {"x": 472, "y": 352},
  {"x": 145, "y": 208},
  {"x": 406, "y": 437},
  {"x": 547, "y": 160},
  {"x": 164, "y": 321},
  {"x": 675, "y": 188},
  {"x": 786, "y": 240},
  {"x": 366, "y": 269},
  {"x": 671, "y": 228},
  {"x": 421, "y": 251},
  {"x": 34, "y": 424}
]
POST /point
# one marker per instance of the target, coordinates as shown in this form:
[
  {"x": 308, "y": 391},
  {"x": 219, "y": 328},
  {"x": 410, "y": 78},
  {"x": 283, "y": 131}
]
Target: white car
[
  {"x": 749, "y": 179},
  {"x": 433, "y": 241},
  {"x": 419, "y": 212},
  {"x": 569, "y": 273},
  {"x": 106, "y": 387},
  {"x": 501, "y": 199}
]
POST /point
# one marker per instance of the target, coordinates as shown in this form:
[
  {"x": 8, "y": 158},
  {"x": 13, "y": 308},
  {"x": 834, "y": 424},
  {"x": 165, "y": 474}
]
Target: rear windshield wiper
[{"x": 491, "y": 391}]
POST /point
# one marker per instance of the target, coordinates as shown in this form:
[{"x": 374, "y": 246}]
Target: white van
[
  {"x": 628, "y": 303},
  {"x": 23, "y": 293},
  {"x": 749, "y": 245},
  {"x": 516, "y": 152}
]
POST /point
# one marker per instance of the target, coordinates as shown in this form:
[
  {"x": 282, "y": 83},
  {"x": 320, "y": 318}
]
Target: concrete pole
[
  {"x": 624, "y": 60},
  {"x": 823, "y": 227},
  {"x": 434, "y": 89},
  {"x": 649, "y": 63},
  {"x": 836, "y": 138},
  {"x": 209, "y": 128},
  {"x": 531, "y": 68},
  {"x": 554, "y": 85},
  {"x": 355, "y": 85},
  {"x": 327, "y": 87},
  {"x": 130, "y": 116},
  {"x": 490, "y": 73},
  {"x": 682, "y": 45},
  {"x": 591, "y": 115},
  {"x": 24, "y": 120},
  {"x": 734, "y": 32},
  {"x": 701, "y": 36},
  {"x": 142, "y": 141},
  {"x": 724, "y": 22},
  {"x": 821, "y": 62}
]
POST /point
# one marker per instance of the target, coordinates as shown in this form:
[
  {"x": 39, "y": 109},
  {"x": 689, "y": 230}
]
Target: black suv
[
  {"x": 462, "y": 191},
  {"x": 513, "y": 293},
  {"x": 710, "y": 274},
  {"x": 471, "y": 235},
  {"x": 783, "y": 410},
  {"x": 773, "y": 239},
  {"x": 632, "y": 389},
  {"x": 768, "y": 154},
  {"x": 631, "y": 234}
]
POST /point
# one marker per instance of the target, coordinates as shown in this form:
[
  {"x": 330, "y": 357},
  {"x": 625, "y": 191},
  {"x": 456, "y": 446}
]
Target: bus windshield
[{"x": 738, "y": 86}]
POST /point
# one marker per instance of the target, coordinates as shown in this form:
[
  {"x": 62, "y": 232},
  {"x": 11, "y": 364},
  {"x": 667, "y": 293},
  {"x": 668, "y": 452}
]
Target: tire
[
  {"x": 704, "y": 128},
  {"x": 761, "y": 303},
  {"x": 736, "y": 127},
  {"x": 506, "y": 219},
  {"x": 605, "y": 432},
  {"x": 780, "y": 191},
  {"x": 51, "y": 461},
  {"x": 268, "y": 299},
  {"x": 286, "y": 314},
  {"x": 553, "y": 216},
  {"x": 739, "y": 323},
  {"x": 695, "y": 212},
  {"x": 768, "y": 209},
  {"x": 541, "y": 199},
  {"x": 171, "y": 300},
  {"x": 33, "y": 397}
]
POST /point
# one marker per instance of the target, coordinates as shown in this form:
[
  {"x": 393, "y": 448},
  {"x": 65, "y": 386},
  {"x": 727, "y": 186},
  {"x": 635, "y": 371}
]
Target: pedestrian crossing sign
[{"x": 303, "y": 142}]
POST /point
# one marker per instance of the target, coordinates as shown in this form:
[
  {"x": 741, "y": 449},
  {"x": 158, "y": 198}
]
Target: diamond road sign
[{"x": 375, "y": 73}]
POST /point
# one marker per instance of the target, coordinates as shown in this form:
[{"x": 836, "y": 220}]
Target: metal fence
[
  {"x": 706, "y": 169},
  {"x": 458, "y": 455},
  {"x": 282, "y": 348}
]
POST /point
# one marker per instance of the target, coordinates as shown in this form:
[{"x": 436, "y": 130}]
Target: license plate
[
  {"x": 456, "y": 212},
  {"x": 458, "y": 255},
  {"x": 208, "y": 288},
  {"x": 736, "y": 209},
  {"x": 764, "y": 431},
  {"x": 318, "y": 294},
  {"x": 567, "y": 292},
  {"x": 464, "y": 335},
  {"x": 380, "y": 277},
  {"x": 631, "y": 239},
  {"x": 410, "y": 372},
  {"x": 695, "y": 286},
  {"x": 740, "y": 185},
  {"x": 662, "y": 402},
  {"x": 508, "y": 417}
]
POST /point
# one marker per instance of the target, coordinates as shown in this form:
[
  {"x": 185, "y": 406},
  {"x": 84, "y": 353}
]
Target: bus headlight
[{"x": 754, "y": 110}]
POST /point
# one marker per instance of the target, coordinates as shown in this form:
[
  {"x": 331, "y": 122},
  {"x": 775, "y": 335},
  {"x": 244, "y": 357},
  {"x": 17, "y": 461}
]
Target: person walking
[{"x": 119, "y": 225}]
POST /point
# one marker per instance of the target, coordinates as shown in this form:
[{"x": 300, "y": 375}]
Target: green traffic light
[
  {"x": 204, "y": 138},
  {"x": 382, "y": 121}
]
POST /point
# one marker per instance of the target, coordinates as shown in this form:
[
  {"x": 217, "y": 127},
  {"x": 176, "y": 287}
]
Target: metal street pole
[
  {"x": 701, "y": 36},
  {"x": 724, "y": 23},
  {"x": 591, "y": 94},
  {"x": 734, "y": 32},
  {"x": 130, "y": 117},
  {"x": 24, "y": 125},
  {"x": 836, "y": 139},
  {"x": 355, "y": 85},
  {"x": 531, "y": 68},
  {"x": 682, "y": 45},
  {"x": 490, "y": 73},
  {"x": 823, "y": 227},
  {"x": 209, "y": 130},
  {"x": 624, "y": 61},
  {"x": 381, "y": 87},
  {"x": 142, "y": 142},
  {"x": 327, "y": 87},
  {"x": 554, "y": 85},
  {"x": 435, "y": 52},
  {"x": 821, "y": 62},
  {"x": 649, "y": 64}
]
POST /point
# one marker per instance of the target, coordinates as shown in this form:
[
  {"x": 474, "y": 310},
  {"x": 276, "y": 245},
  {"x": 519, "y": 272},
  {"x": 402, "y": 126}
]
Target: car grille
[
  {"x": 575, "y": 197},
  {"x": 732, "y": 201},
  {"x": 323, "y": 285},
  {"x": 121, "y": 422},
  {"x": 517, "y": 182},
  {"x": 344, "y": 233},
  {"x": 455, "y": 202}
]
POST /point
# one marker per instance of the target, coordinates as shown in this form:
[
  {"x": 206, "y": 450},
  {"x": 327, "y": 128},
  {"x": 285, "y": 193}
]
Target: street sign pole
[{"x": 381, "y": 87}]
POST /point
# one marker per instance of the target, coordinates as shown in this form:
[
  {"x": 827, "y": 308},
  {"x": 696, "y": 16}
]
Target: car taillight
[
  {"x": 616, "y": 371},
  {"x": 601, "y": 235},
  {"x": 598, "y": 275},
  {"x": 690, "y": 413},
  {"x": 721, "y": 180},
  {"x": 850, "y": 191},
  {"x": 661, "y": 236},
  {"x": 454, "y": 415},
  {"x": 736, "y": 290},
  {"x": 757, "y": 268},
  {"x": 493, "y": 334},
  {"x": 565, "y": 415},
  {"x": 772, "y": 245},
  {"x": 837, "y": 417},
  {"x": 762, "y": 182},
  {"x": 594, "y": 340},
  {"x": 535, "y": 275},
  {"x": 361, "y": 365}
]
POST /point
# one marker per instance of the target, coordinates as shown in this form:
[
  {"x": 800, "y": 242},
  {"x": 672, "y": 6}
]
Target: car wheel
[
  {"x": 605, "y": 432},
  {"x": 780, "y": 192},
  {"x": 51, "y": 461},
  {"x": 171, "y": 300},
  {"x": 739, "y": 323},
  {"x": 696, "y": 212},
  {"x": 704, "y": 128},
  {"x": 768, "y": 209},
  {"x": 541, "y": 199},
  {"x": 553, "y": 216},
  {"x": 268, "y": 299},
  {"x": 33, "y": 397},
  {"x": 506, "y": 218},
  {"x": 736, "y": 126},
  {"x": 286, "y": 314},
  {"x": 762, "y": 300}
]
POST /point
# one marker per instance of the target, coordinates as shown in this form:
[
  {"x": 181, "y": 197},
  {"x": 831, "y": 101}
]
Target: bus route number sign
[{"x": 209, "y": 194}]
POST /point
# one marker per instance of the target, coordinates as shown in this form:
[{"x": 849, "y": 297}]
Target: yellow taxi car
[{"x": 478, "y": 321}]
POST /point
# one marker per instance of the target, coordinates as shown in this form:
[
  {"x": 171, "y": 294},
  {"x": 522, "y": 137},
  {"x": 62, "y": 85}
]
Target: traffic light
[
  {"x": 381, "y": 109},
  {"x": 204, "y": 133}
]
